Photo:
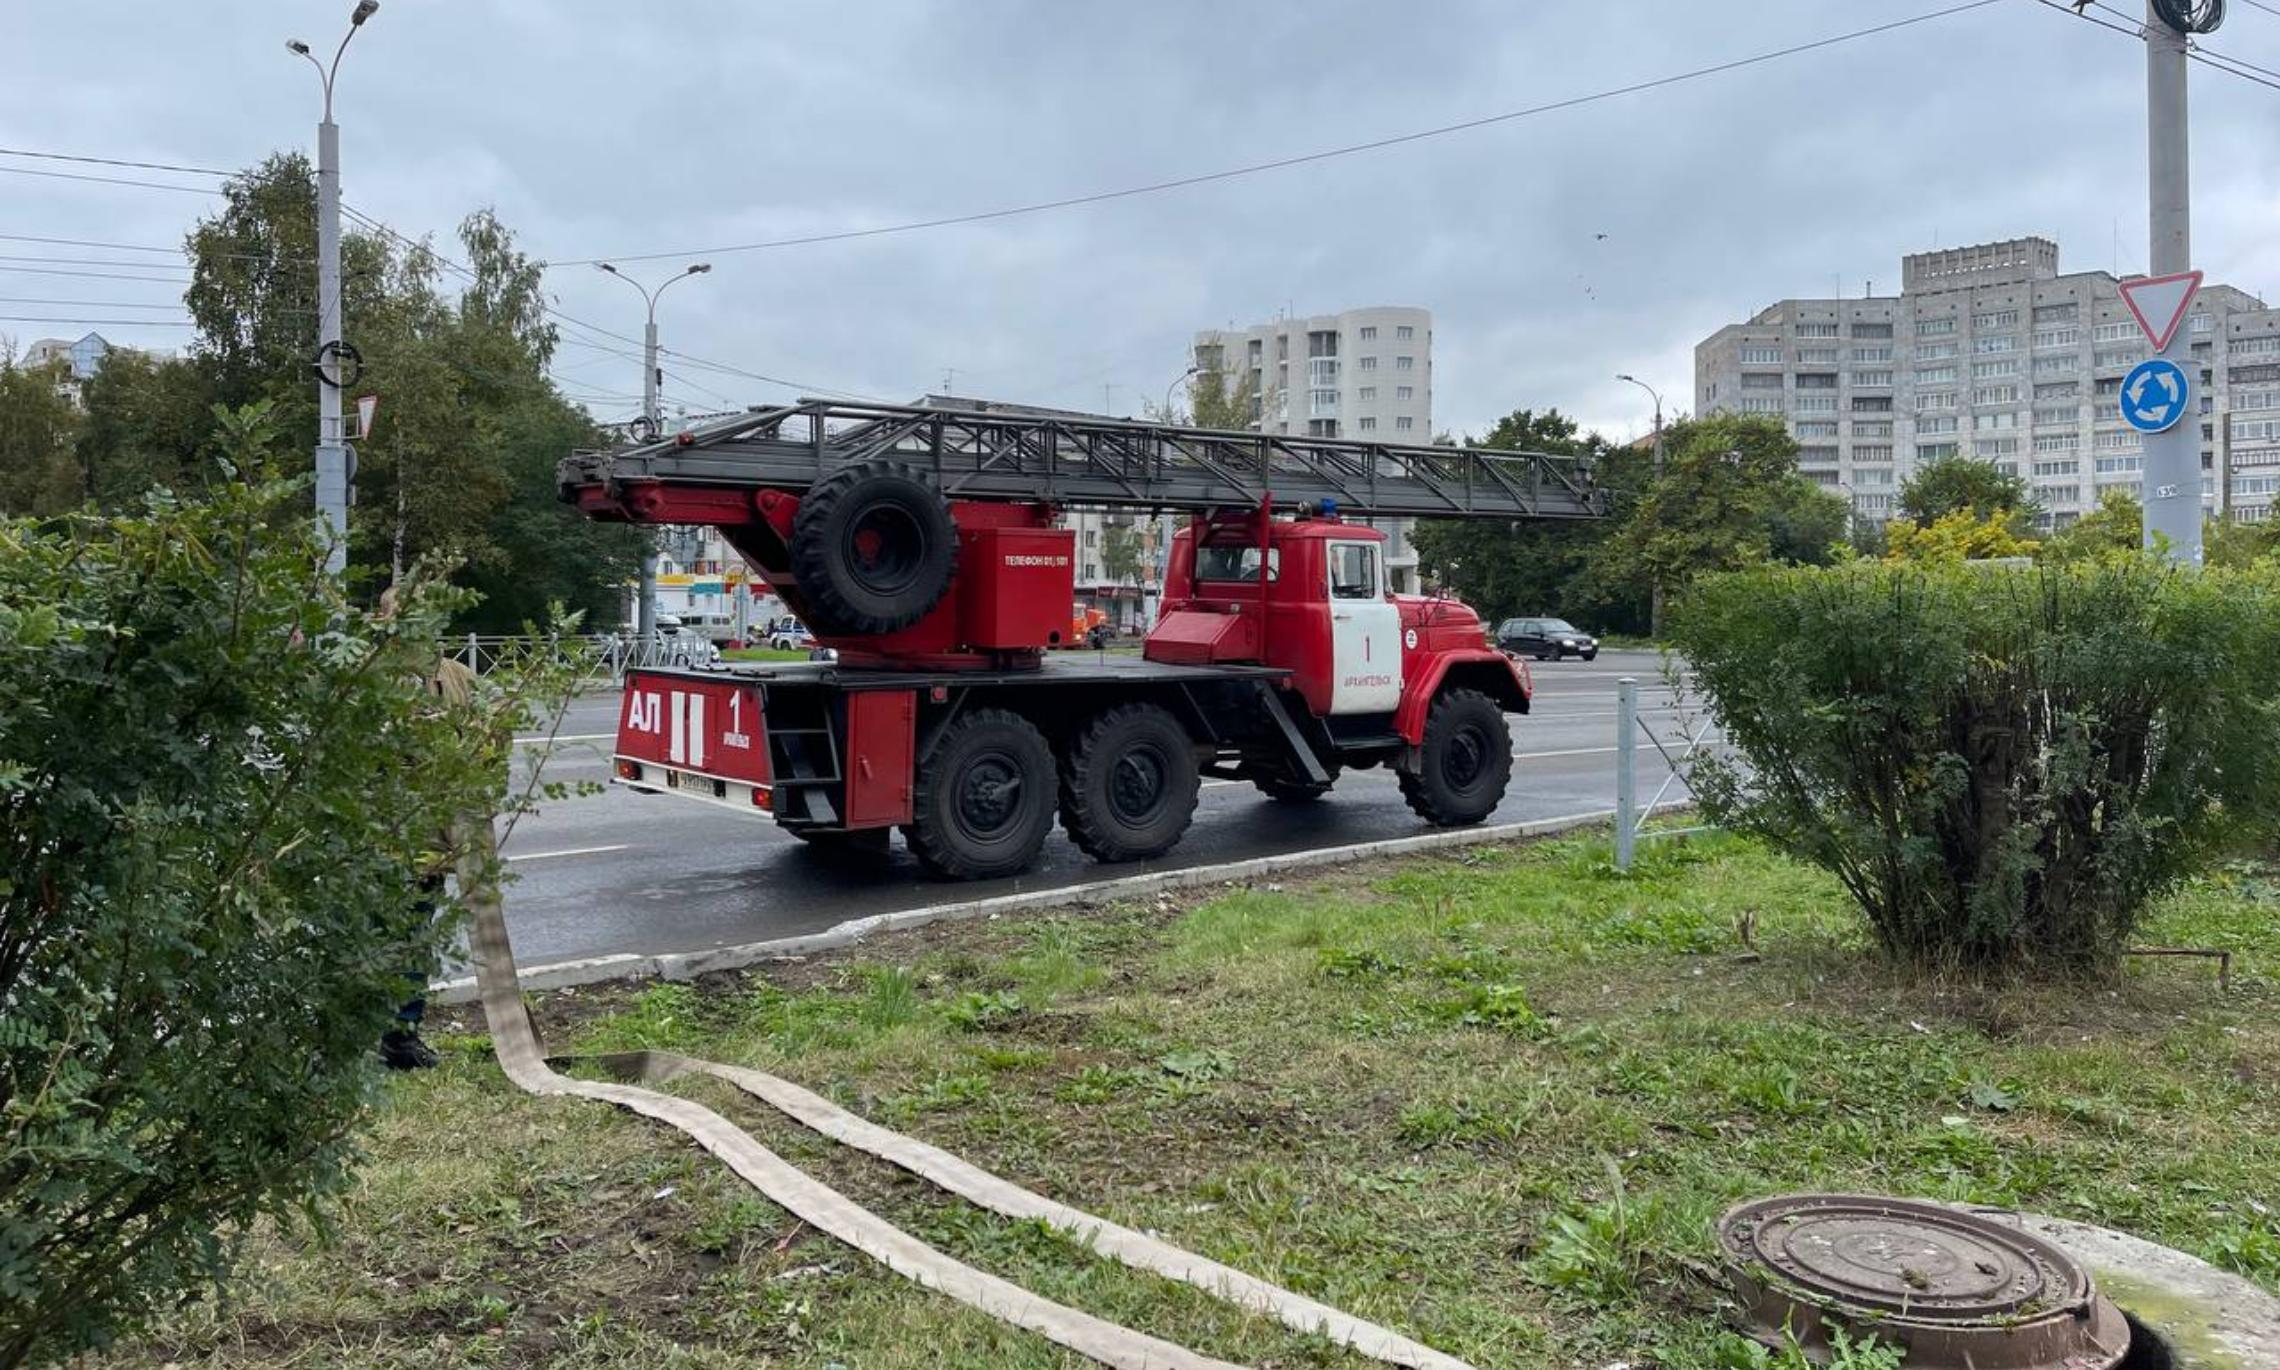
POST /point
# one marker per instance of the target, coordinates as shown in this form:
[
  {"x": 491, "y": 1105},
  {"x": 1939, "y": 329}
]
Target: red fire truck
[{"x": 920, "y": 543}]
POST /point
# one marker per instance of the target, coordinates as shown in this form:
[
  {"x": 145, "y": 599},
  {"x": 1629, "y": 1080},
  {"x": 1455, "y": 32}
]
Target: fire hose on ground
[{"x": 515, "y": 1042}]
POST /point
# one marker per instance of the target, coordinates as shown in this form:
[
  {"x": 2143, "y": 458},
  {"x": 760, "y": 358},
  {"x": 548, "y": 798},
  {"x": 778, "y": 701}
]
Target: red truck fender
[{"x": 1494, "y": 674}]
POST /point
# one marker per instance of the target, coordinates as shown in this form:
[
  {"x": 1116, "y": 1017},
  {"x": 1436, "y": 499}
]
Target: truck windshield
[{"x": 1235, "y": 563}]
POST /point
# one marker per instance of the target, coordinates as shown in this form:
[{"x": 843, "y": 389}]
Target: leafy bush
[
  {"x": 220, "y": 784},
  {"x": 2001, "y": 765}
]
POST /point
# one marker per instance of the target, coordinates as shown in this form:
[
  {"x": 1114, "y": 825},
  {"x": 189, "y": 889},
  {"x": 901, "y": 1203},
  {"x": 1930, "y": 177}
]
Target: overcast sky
[{"x": 600, "y": 129}]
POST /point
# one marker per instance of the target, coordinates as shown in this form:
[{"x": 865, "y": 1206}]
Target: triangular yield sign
[{"x": 2158, "y": 303}]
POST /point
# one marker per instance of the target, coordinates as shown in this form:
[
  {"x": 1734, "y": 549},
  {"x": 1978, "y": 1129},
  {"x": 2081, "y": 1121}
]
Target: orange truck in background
[{"x": 1088, "y": 627}]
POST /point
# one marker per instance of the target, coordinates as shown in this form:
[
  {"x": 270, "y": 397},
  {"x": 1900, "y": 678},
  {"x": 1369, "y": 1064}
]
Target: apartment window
[
  {"x": 2062, "y": 365},
  {"x": 2256, "y": 399},
  {"x": 1872, "y": 504},
  {"x": 2114, "y": 466},
  {"x": 1369, "y": 332},
  {"x": 1322, "y": 342},
  {"x": 1995, "y": 394},
  {"x": 1934, "y": 328},
  {"x": 1934, "y": 352},
  {"x": 1875, "y": 475},
  {"x": 1816, "y": 380},
  {"x": 1404, "y": 423},
  {"x": 1983, "y": 422},
  {"x": 1405, "y": 392},
  {"x": 1761, "y": 380},
  {"x": 1369, "y": 424},
  {"x": 1405, "y": 363},
  {"x": 1815, "y": 428},
  {"x": 1994, "y": 318},
  {"x": 2256, "y": 347},
  {"x": 1872, "y": 354},
  {"x": 1403, "y": 332},
  {"x": 1092, "y": 537},
  {"x": 1092, "y": 572},
  {"x": 1940, "y": 423},
  {"x": 2252, "y": 430},
  {"x": 1771, "y": 404},
  {"x": 2057, "y": 337},
  {"x": 1320, "y": 400},
  {"x": 1994, "y": 447},
  {"x": 1999, "y": 342},
  {"x": 1935, "y": 375},
  {"x": 2058, "y": 442},
  {"x": 1322, "y": 428},
  {"x": 2202, "y": 323},
  {"x": 1816, "y": 456},
  {"x": 1367, "y": 393},
  {"x": 1872, "y": 379},
  {"x": 2056, "y": 313},
  {"x": 2120, "y": 331},
  {"x": 1816, "y": 356},
  {"x": 2070, "y": 467},
  {"x": 2117, "y": 358},
  {"x": 1761, "y": 356},
  {"x": 1872, "y": 404},
  {"x": 2116, "y": 440},
  {"x": 1933, "y": 451},
  {"x": 1985, "y": 371},
  {"x": 2250, "y": 375},
  {"x": 1873, "y": 452},
  {"x": 1871, "y": 330},
  {"x": 1937, "y": 399},
  {"x": 2066, "y": 414},
  {"x": 1804, "y": 404},
  {"x": 1823, "y": 478},
  {"x": 1322, "y": 371},
  {"x": 1368, "y": 363},
  {"x": 1873, "y": 429},
  {"x": 1816, "y": 330},
  {"x": 2064, "y": 390}
]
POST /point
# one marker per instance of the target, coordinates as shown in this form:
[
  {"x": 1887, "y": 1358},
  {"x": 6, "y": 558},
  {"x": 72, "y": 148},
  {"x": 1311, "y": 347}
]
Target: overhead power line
[
  {"x": 93, "y": 275},
  {"x": 97, "y": 323},
  {"x": 94, "y": 261},
  {"x": 112, "y": 161},
  {"x": 2206, "y": 56},
  {"x": 175, "y": 305},
  {"x": 1302, "y": 159},
  {"x": 87, "y": 242},
  {"x": 107, "y": 180}
]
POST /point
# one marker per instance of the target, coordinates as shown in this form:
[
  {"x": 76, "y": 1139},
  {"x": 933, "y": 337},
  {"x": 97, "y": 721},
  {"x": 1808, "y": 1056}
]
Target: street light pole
[
  {"x": 332, "y": 455},
  {"x": 1655, "y": 593},
  {"x": 2171, "y": 489},
  {"x": 645, "y": 611},
  {"x": 1169, "y": 415}
]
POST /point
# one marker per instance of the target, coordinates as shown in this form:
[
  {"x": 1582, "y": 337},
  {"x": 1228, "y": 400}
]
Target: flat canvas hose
[{"x": 515, "y": 1042}]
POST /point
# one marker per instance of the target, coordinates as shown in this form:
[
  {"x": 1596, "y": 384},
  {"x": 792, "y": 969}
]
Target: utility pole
[
  {"x": 645, "y": 611},
  {"x": 2171, "y": 490},
  {"x": 1655, "y": 592},
  {"x": 333, "y": 463}
]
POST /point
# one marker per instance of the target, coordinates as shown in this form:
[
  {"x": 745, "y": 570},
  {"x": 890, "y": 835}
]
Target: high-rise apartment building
[
  {"x": 1364, "y": 374},
  {"x": 1989, "y": 351}
]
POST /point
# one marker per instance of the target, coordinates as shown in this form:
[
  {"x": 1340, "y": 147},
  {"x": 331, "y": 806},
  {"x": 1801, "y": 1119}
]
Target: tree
[
  {"x": 1945, "y": 485},
  {"x": 1729, "y": 496},
  {"x": 1962, "y": 535},
  {"x": 37, "y": 428},
  {"x": 221, "y": 784},
  {"x": 2116, "y": 525},
  {"x": 149, "y": 426},
  {"x": 1218, "y": 402},
  {"x": 1534, "y": 566},
  {"x": 1120, "y": 553}
]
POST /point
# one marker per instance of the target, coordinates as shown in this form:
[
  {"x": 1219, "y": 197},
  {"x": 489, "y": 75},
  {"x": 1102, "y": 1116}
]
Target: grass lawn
[
  {"x": 1494, "y": 1100},
  {"x": 763, "y": 654}
]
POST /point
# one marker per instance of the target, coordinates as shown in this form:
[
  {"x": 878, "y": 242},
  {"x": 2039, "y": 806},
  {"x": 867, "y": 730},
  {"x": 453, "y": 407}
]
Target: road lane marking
[{"x": 569, "y": 851}]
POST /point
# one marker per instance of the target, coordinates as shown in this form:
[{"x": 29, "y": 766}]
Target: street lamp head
[
  {"x": 297, "y": 47},
  {"x": 605, "y": 266},
  {"x": 1626, "y": 376},
  {"x": 365, "y": 9},
  {"x": 698, "y": 269}
]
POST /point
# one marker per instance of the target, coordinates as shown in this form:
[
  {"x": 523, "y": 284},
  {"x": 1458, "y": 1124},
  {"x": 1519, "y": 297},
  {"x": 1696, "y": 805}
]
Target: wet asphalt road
[{"x": 625, "y": 872}]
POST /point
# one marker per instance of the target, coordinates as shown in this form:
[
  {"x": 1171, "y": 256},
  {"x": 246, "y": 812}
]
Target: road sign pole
[{"x": 2171, "y": 490}]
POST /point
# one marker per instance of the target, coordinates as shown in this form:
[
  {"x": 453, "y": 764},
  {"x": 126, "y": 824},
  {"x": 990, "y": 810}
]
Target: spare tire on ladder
[{"x": 873, "y": 548}]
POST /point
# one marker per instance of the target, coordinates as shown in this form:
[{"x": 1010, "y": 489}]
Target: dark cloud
[{"x": 610, "y": 128}]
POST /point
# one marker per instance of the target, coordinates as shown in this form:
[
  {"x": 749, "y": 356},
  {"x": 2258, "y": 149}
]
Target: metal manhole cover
[{"x": 1955, "y": 1289}]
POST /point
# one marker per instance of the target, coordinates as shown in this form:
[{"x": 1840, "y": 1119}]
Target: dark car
[{"x": 1546, "y": 639}]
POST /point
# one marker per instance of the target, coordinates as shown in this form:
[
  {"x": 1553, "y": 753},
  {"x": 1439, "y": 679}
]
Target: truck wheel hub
[
  {"x": 1468, "y": 750},
  {"x": 883, "y": 545},
  {"x": 990, "y": 797},
  {"x": 1136, "y": 785}
]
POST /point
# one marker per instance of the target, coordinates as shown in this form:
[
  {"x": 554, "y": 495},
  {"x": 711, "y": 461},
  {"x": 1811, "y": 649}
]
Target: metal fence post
[
  {"x": 472, "y": 664},
  {"x": 1626, "y": 769}
]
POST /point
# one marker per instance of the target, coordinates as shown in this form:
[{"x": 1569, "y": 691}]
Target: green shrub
[
  {"x": 2001, "y": 765},
  {"x": 220, "y": 784}
]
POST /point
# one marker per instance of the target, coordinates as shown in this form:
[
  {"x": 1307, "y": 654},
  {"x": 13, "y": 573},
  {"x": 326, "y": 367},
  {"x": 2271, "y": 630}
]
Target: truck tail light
[
  {"x": 763, "y": 799},
  {"x": 628, "y": 770}
]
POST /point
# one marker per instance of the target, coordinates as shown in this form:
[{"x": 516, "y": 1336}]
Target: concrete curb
[{"x": 688, "y": 965}]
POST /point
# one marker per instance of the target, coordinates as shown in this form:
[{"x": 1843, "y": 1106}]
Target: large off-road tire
[
  {"x": 983, "y": 801},
  {"x": 1129, "y": 787},
  {"x": 1460, "y": 772},
  {"x": 873, "y": 549}
]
